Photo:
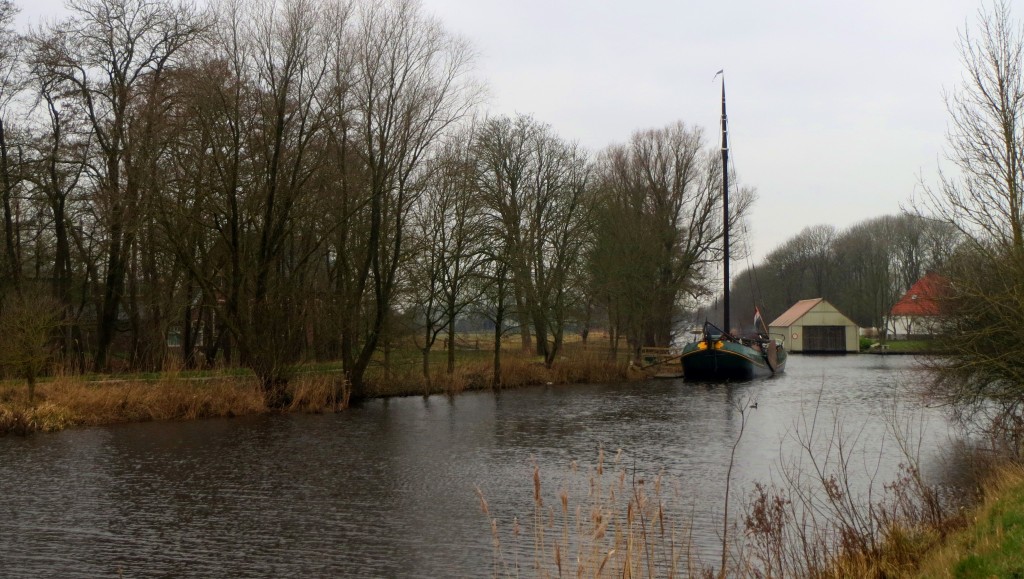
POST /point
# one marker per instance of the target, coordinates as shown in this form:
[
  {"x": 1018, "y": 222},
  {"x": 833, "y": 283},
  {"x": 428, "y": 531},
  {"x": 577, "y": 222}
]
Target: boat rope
[{"x": 751, "y": 272}]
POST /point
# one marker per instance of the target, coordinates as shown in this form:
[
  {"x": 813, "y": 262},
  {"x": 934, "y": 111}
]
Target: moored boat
[{"x": 718, "y": 355}]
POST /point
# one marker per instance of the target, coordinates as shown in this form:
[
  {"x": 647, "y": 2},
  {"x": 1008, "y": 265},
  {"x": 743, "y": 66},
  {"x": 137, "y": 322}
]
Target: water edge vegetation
[{"x": 89, "y": 400}]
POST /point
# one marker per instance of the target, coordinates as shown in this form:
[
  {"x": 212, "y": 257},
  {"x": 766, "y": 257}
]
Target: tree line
[
  {"x": 862, "y": 270},
  {"x": 270, "y": 182}
]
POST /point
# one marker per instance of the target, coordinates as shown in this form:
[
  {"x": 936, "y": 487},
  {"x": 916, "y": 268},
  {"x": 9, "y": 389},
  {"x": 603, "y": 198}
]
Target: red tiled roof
[
  {"x": 795, "y": 313},
  {"x": 922, "y": 297}
]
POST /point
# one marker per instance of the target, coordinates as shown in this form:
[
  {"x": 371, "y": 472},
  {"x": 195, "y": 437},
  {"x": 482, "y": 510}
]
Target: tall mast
[{"x": 725, "y": 209}]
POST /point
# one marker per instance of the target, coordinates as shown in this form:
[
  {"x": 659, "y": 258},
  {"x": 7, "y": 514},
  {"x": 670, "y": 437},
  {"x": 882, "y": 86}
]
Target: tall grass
[
  {"x": 993, "y": 545},
  {"x": 72, "y": 401},
  {"x": 604, "y": 521},
  {"x": 518, "y": 369},
  {"x": 179, "y": 395}
]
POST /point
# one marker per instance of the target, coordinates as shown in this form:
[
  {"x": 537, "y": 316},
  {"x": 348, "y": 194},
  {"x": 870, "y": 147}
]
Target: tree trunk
[
  {"x": 111, "y": 302},
  {"x": 10, "y": 245},
  {"x": 188, "y": 330},
  {"x": 524, "y": 324},
  {"x": 275, "y": 392},
  {"x": 451, "y": 345},
  {"x": 425, "y": 351},
  {"x": 499, "y": 320},
  {"x": 540, "y": 330}
]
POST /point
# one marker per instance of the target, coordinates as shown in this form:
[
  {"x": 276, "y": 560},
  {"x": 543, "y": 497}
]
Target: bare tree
[
  {"x": 27, "y": 323},
  {"x": 465, "y": 240},
  {"x": 985, "y": 201},
  {"x": 447, "y": 246},
  {"x": 251, "y": 177},
  {"x": 494, "y": 305},
  {"x": 427, "y": 243},
  {"x": 985, "y": 197},
  {"x": 665, "y": 185},
  {"x": 191, "y": 210},
  {"x": 408, "y": 86},
  {"x": 503, "y": 160},
  {"x": 114, "y": 55},
  {"x": 12, "y": 78},
  {"x": 818, "y": 251},
  {"x": 60, "y": 153},
  {"x": 535, "y": 187},
  {"x": 867, "y": 286}
]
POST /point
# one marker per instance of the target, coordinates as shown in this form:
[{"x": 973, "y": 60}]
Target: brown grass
[
  {"x": 518, "y": 369},
  {"x": 602, "y": 522},
  {"x": 316, "y": 393},
  {"x": 73, "y": 401},
  {"x": 70, "y": 401},
  {"x": 1001, "y": 488}
]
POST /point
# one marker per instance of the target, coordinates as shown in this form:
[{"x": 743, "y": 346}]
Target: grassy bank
[
  {"x": 68, "y": 401},
  {"x": 902, "y": 347},
  {"x": 992, "y": 542}
]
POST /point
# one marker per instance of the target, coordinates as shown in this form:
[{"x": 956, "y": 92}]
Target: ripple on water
[{"x": 387, "y": 489}]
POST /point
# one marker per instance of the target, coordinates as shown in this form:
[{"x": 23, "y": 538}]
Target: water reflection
[{"x": 387, "y": 489}]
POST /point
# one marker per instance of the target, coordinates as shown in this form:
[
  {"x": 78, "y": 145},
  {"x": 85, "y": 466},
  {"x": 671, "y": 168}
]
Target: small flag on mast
[{"x": 759, "y": 321}]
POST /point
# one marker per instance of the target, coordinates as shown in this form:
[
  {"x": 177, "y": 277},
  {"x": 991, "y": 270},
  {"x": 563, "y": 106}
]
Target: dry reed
[
  {"x": 68, "y": 401},
  {"x": 818, "y": 522},
  {"x": 518, "y": 370},
  {"x": 604, "y": 522},
  {"x": 815, "y": 523},
  {"x": 319, "y": 393}
]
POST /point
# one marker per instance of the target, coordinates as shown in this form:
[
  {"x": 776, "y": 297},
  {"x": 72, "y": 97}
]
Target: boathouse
[{"x": 816, "y": 326}]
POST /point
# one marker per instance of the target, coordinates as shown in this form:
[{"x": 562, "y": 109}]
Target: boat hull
[{"x": 727, "y": 361}]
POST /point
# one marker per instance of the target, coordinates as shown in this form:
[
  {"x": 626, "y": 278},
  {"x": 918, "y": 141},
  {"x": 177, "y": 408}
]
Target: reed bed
[
  {"x": 517, "y": 370},
  {"x": 71, "y": 401},
  {"x": 608, "y": 521},
  {"x": 604, "y": 521},
  {"x": 316, "y": 393},
  {"x": 67, "y": 400}
]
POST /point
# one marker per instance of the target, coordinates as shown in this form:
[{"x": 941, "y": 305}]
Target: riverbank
[
  {"x": 983, "y": 538},
  {"x": 902, "y": 348},
  {"x": 69, "y": 401},
  {"x": 991, "y": 544}
]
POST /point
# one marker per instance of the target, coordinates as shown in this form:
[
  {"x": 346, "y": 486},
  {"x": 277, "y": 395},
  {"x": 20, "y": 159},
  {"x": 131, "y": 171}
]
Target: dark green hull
[{"x": 727, "y": 361}]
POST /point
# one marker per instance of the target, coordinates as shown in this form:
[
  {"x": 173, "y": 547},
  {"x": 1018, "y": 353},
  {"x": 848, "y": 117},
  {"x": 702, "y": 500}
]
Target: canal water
[{"x": 389, "y": 489}]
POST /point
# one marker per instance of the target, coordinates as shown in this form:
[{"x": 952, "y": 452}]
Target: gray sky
[{"x": 835, "y": 109}]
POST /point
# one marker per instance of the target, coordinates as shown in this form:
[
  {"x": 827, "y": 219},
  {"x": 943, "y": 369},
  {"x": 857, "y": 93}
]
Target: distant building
[
  {"x": 816, "y": 326},
  {"x": 917, "y": 313}
]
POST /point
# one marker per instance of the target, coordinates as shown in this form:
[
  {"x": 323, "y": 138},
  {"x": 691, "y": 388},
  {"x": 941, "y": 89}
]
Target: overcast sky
[{"x": 836, "y": 109}]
